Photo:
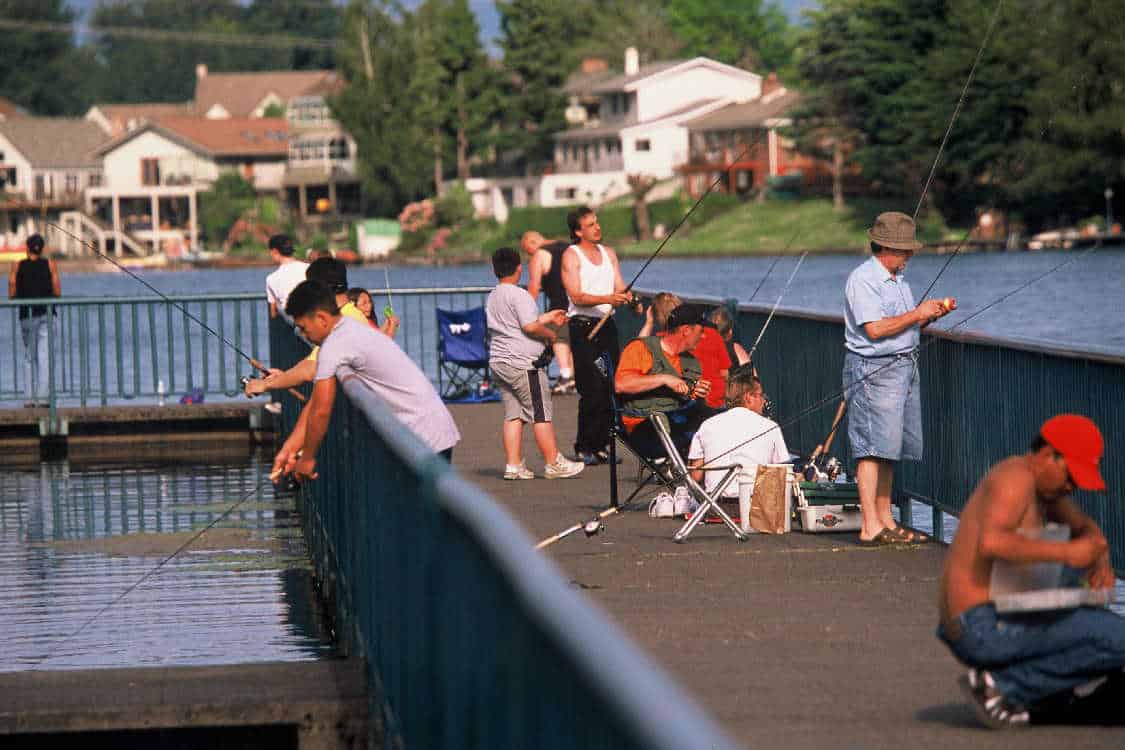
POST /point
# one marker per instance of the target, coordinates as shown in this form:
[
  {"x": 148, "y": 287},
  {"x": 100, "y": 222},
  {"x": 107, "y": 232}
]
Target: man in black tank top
[
  {"x": 545, "y": 275},
  {"x": 35, "y": 277}
]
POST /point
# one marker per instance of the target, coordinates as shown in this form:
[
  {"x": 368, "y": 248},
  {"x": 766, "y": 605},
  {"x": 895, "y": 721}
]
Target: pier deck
[{"x": 792, "y": 641}]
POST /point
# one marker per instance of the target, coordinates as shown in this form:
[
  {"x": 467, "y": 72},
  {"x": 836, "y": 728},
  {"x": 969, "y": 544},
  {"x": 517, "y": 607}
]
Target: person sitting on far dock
[
  {"x": 517, "y": 336},
  {"x": 659, "y": 374},
  {"x": 334, "y": 274},
  {"x": 349, "y": 348},
  {"x": 290, "y": 272},
  {"x": 361, "y": 298},
  {"x": 1018, "y": 660}
]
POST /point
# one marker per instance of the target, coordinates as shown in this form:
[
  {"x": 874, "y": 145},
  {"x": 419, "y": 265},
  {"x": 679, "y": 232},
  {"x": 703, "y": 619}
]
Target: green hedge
[{"x": 617, "y": 221}]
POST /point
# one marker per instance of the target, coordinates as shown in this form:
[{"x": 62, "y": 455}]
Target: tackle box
[{"x": 827, "y": 506}]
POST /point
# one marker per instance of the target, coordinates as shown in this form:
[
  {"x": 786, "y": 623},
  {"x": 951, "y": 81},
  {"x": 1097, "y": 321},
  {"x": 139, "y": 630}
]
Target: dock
[{"x": 790, "y": 641}]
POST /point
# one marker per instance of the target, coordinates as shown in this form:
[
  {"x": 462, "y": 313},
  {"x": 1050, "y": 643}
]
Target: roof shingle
[
  {"x": 54, "y": 142},
  {"x": 240, "y": 93}
]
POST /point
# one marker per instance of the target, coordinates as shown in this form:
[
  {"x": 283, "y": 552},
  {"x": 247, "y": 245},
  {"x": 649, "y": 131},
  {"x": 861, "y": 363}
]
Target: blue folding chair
[{"x": 463, "y": 356}]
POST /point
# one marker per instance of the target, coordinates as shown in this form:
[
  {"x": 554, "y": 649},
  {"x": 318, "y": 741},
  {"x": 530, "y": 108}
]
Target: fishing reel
[
  {"x": 822, "y": 469},
  {"x": 592, "y": 527}
]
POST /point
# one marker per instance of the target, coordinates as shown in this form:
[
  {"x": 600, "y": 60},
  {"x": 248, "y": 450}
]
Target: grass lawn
[{"x": 784, "y": 226}]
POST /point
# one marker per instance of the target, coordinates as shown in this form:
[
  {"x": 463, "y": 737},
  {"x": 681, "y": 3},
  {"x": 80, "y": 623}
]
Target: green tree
[
  {"x": 222, "y": 205},
  {"x": 311, "y": 19},
  {"x": 152, "y": 70},
  {"x": 615, "y": 24},
  {"x": 43, "y": 72},
  {"x": 749, "y": 33},
  {"x": 1074, "y": 144},
  {"x": 536, "y": 37},
  {"x": 828, "y": 122},
  {"x": 376, "y": 60}
]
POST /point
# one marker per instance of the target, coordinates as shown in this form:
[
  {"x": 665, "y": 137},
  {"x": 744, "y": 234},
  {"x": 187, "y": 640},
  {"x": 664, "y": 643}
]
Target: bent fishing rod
[
  {"x": 683, "y": 219},
  {"x": 253, "y": 362},
  {"x": 593, "y": 526},
  {"x": 137, "y": 584}
]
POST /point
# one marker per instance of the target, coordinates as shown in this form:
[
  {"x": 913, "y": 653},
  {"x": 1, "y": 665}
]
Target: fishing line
[
  {"x": 763, "y": 281},
  {"x": 257, "y": 488},
  {"x": 957, "y": 109},
  {"x": 817, "y": 405},
  {"x": 723, "y": 173},
  {"x": 788, "y": 283},
  {"x": 168, "y": 300}
]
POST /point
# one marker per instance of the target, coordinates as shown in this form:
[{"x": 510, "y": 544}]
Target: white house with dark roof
[
  {"x": 46, "y": 164},
  {"x": 627, "y": 122}
]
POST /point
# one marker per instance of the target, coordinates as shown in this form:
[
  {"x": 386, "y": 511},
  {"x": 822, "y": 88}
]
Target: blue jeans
[
  {"x": 1034, "y": 656},
  {"x": 36, "y": 352},
  {"x": 884, "y": 407}
]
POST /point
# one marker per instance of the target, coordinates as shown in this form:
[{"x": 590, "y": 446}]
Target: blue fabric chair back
[{"x": 462, "y": 337}]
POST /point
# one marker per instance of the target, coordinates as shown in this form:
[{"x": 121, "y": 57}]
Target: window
[
  {"x": 643, "y": 144},
  {"x": 338, "y": 148},
  {"x": 96, "y": 179},
  {"x": 565, "y": 193},
  {"x": 150, "y": 171},
  {"x": 72, "y": 183},
  {"x": 9, "y": 177}
]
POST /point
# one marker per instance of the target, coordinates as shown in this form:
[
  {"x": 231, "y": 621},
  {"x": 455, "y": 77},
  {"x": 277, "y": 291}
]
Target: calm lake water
[
  {"x": 1078, "y": 306},
  {"x": 73, "y": 539}
]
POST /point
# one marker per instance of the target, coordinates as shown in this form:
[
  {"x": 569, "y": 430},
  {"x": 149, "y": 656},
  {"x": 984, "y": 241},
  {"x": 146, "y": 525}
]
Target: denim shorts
[{"x": 884, "y": 407}]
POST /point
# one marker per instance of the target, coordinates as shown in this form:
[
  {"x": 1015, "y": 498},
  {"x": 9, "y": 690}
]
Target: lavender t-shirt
[{"x": 356, "y": 350}]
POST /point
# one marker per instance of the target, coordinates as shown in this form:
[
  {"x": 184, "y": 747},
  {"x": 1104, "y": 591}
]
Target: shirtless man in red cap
[{"x": 1017, "y": 662}]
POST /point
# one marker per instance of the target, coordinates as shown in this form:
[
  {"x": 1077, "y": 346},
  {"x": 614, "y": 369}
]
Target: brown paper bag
[{"x": 768, "y": 506}]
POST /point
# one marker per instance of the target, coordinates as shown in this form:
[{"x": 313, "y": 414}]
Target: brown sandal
[
  {"x": 884, "y": 538},
  {"x": 909, "y": 535}
]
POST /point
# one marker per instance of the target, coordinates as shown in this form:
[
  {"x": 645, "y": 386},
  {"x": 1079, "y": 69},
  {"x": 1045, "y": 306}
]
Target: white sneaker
[
  {"x": 662, "y": 506},
  {"x": 562, "y": 468},
  {"x": 683, "y": 502},
  {"x": 518, "y": 472}
]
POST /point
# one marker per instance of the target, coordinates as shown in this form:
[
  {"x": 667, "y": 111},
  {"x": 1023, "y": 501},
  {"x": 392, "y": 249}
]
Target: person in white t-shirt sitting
[
  {"x": 739, "y": 435},
  {"x": 290, "y": 272},
  {"x": 352, "y": 349}
]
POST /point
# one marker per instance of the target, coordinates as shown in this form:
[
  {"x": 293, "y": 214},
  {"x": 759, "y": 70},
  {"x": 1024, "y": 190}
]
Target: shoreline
[{"x": 98, "y": 265}]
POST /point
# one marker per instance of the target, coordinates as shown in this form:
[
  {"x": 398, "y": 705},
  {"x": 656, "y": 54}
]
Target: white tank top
[{"x": 596, "y": 279}]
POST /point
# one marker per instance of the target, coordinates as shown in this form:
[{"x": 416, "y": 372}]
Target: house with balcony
[
  {"x": 153, "y": 176},
  {"x": 621, "y": 122},
  {"x": 321, "y": 184},
  {"x": 740, "y": 146},
  {"x": 46, "y": 165}
]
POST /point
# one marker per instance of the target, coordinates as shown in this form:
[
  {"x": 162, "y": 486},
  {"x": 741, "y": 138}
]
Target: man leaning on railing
[{"x": 350, "y": 349}]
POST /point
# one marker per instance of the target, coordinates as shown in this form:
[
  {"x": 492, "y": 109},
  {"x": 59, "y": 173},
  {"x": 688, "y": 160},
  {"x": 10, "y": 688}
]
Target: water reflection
[{"x": 73, "y": 539}]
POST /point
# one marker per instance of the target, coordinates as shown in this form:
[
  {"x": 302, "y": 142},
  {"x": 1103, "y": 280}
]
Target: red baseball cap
[{"x": 1080, "y": 442}]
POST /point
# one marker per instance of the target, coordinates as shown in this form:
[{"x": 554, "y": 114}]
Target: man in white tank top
[{"x": 592, "y": 279}]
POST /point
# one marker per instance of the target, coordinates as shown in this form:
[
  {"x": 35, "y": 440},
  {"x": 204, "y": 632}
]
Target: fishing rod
[
  {"x": 253, "y": 362},
  {"x": 765, "y": 325},
  {"x": 683, "y": 219},
  {"x": 763, "y": 281},
  {"x": 150, "y": 573},
  {"x": 593, "y": 526}
]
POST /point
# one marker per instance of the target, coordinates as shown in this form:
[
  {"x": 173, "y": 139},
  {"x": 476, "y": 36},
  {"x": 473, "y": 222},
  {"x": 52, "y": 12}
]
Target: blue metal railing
[
  {"x": 983, "y": 399},
  {"x": 121, "y": 350},
  {"x": 472, "y": 638}
]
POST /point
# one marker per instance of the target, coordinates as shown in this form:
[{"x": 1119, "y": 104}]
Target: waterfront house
[
  {"x": 46, "y": 164},
  {"x": 155, "y": 172},
  {"x": 633, "y": 121},
  {"x": 741, "y": 142}
]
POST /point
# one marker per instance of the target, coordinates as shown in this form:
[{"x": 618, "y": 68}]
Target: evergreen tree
[
  {"x": 538, "y": 38},
  {"x": 316, "y": 19},
  {"x": 377, "y": 61},
  {"x": 1074, "y": 142},
  {"x": 43, "y": 72},
  {"x": 748, "y": 34}
]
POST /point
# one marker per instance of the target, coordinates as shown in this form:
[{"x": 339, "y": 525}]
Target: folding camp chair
[
  {"x": 463, "y": 356},
  {"x": 708, "y": 502}
]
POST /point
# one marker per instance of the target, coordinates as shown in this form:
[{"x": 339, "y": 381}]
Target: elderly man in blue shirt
[{"x": 882, "y": 325}]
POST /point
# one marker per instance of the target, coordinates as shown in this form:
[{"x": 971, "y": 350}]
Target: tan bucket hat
[{"x": 894, "y": 230}]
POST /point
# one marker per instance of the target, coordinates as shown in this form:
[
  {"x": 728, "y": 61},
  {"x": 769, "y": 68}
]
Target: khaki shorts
[{"x": 524, "y": 392}]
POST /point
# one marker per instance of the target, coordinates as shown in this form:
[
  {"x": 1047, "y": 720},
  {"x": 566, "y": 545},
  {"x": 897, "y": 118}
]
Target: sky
[{"x": 489, "y": 18}]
